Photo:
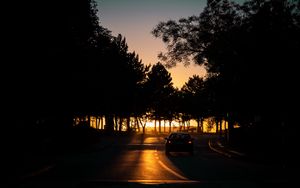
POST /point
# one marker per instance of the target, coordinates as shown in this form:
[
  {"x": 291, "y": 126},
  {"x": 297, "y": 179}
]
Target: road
[{"x": 140, "y": 161}]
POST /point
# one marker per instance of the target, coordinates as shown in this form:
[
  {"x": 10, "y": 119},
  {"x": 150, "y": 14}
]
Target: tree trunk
[
  {"x": 159, "y": 125},
  {"x": 120, "y": 124},
  {"x": 221, "y": 132},
  {"x": 89, "y": 121},
  {"x": 143, "y": 126},
  {"x": 188, "y": 124},
  {"x": 97, "y": 122},
  {"x": 116, "y": 122},
  {"x": 198, "y": 125},
  {"x": 109, "y": 123},
  {"x": 101, "y": 123},
  {"x": 170, "y": 126},
  {"x": 137, "y": 125},
  {"x": 202, "y": 127},
  {"x": 230, "y": 129},
  {"x": 217, "y": 125},
  {"x": 128, "y": 124}
]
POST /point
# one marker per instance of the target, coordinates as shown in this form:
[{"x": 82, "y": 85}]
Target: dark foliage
[{"x": 250, "y": 52}]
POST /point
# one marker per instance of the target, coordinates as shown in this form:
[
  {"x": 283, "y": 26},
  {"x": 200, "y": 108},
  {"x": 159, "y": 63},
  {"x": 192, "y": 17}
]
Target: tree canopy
[
  {"x": 63, "y": 62},
  {"x": 251, "y": 46}
]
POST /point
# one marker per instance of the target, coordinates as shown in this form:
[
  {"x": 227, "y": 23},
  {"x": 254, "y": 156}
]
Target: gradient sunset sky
[{"x": 135, "y": 19}]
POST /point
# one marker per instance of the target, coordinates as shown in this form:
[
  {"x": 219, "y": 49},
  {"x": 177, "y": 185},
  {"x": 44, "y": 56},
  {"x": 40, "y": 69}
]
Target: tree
[
  {"x": 48, "y": 56},
  {"x": 243, "y": 48},
  {"x": 137, "y": 74},
  {"x": 49, "y": 45},
  {"x": 195, "y": 99},
  {"x": 125, "y": 75},
  {"x": 159, "y": 87}
]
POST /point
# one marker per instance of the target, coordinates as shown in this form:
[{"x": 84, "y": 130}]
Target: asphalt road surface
[{"x": 140, "y": 161}]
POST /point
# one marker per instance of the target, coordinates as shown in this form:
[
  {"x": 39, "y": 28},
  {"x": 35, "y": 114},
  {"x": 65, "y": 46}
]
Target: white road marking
[
  {"x": 220, "y": 144},
  {"x": 218, "y": 151},
  {"x": 154, "y": 181},
  {"x": 232, "y": 151},
  {"x": 172, "y": 171},
  {"x": 236, "y": 152},
  {"x": 162, "y": 181}
]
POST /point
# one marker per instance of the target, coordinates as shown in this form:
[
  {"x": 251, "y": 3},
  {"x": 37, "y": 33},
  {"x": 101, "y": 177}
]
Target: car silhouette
[{"x": 179, "y": 142}]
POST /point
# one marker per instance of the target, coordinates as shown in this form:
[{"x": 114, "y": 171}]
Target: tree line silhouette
[
  {"x": 62, "y": 63},
  {"x": 250, "y": 52}
]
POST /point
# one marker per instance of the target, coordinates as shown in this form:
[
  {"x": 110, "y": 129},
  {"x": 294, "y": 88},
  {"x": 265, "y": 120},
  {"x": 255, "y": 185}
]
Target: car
[{"x": 179, "y": 142}]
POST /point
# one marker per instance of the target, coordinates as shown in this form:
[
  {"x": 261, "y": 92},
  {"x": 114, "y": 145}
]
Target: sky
[{"x": 135, "y": 19}]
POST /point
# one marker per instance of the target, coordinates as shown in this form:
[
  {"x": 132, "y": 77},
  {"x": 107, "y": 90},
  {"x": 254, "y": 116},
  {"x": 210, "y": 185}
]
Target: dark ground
[{"x": 33, "y": 153}]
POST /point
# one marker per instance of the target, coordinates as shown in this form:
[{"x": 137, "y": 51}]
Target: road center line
[
  {"x": 218, "y": 151},
  {"x": 172, "y": 171}
]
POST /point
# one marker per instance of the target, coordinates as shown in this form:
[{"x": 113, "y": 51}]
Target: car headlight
[{"x": 190, "y": 142}]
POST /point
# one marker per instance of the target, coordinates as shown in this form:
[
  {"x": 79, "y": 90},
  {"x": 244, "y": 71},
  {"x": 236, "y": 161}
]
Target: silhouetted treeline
[
  {"x": 49, "y": 43},
  {"x": 63, "y": 64},
  {"x": 60, "y": 63},
  {"x": 250, "y": 52}
]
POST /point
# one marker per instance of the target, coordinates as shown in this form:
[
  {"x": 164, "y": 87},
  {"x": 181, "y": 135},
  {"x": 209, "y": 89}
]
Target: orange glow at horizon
[{"x": 208, "y": 125}]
